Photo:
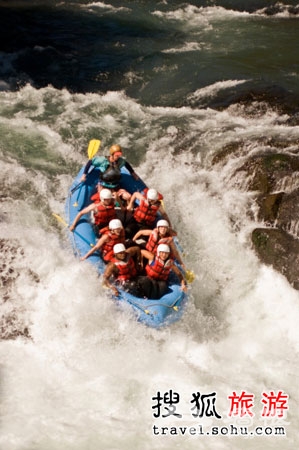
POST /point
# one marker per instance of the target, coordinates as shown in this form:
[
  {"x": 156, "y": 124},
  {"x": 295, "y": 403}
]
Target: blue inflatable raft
[{"x": 154, "y": 313}]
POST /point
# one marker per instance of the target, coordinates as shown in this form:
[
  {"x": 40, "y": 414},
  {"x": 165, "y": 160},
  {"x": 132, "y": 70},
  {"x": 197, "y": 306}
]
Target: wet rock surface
[
  {"x": 279, "y": 249},
  {"x": 270, "y": 170},
  {"x": 266, "y": 172}
]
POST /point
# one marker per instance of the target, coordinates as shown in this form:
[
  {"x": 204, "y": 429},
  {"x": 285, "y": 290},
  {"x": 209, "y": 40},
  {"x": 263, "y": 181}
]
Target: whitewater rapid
[{"x": 78, "y": 372}]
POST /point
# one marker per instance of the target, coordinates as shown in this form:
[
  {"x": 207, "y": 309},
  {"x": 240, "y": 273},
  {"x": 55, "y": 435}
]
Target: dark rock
[
  {"x": 288, "y": 210},
  {"x": 279, "y": 249},
  {"x": 266, "y": 171},
  {"x": 281, "y": 209},
  {"x": 232, "y": 149},
  {"x": 269, "y": 206}
]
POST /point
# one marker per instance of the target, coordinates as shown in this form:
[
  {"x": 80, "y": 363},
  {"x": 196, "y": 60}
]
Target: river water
[{"x": 174, "y": 83}]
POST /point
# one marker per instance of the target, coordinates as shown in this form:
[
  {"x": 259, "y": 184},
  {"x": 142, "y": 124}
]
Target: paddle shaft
[
  {"x": 93, "y": 147},
  {"x": 61, "y": 220}
]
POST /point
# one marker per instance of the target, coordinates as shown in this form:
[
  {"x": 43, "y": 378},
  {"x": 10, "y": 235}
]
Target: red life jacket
[
  {"x": 95, "y": 198},
  {"x": 154, "y": 241},
  {"x": 158, "y": 269},
  {"x": 126, "y": 268},
  {"x": 107, "y": 248},
  {"x": 146, "y": 213},
  {"x": 103, "y": 214}
]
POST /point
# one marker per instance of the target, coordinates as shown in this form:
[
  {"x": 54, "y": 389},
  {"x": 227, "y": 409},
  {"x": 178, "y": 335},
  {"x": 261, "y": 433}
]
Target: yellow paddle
[
  {"x": 61, "y": 220},
  {"x": 93, "y": 147},
  {"x": 190, "y": 276}
]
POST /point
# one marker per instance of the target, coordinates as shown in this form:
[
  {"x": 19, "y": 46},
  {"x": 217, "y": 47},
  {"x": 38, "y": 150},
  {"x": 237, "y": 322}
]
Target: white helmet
[
  {"x": 118, "y": 248},
  {"x": 152, "y": 194},
  {"x": 162, "y": 223},
  {"x": 163, "y": 248},
  {"x": 114, "y": 224},
  {"x": 105, "y": 194}
]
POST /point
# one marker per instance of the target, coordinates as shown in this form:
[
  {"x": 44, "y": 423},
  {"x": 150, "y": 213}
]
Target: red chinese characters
[
  {"x": 240, "y": 405},
  {"x": 275, "y": 405}
]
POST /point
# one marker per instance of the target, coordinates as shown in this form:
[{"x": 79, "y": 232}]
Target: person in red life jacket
[
  {"x": 122, "y": 194},
  {"x": 110, "y": 170},
  {"x": 154, "y": 284},
  {"x": 103, "y": 211},
  {"x": 120, "y": 197},
  {"x": 144, "y": 216},
  {"x": 162, "y": 234},
  {"x": 111, "y": 235},
  {"x": 122, "y": 268}
]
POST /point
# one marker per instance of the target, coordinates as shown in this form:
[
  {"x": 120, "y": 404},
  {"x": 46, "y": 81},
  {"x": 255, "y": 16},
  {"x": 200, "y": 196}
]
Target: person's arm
[
  {"x": 141, "y": 233},
  {"x": 131, "y": 170},
  {"x": 176, "y": 253},
  {"x": 180, "y": 276},
  {"x": 135, "y": 196},
  {"x": 96, "y": 161},
  {"x": 96, "y": 247},
  {"x": 135, "y": 252},
  {"x": 118, "y": 201},
  {"x": 110, "y": 270},
  {"x": 148, "y": 255},
  {"x": 80, "y": 214},
  {"x": 86, "y": 169}
]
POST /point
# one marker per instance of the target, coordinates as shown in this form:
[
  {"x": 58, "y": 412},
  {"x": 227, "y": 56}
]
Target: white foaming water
[
  {"x": 192, "y": 16},
  {"x": 105, "y": 6},
  {"x": 213, "y": 90},
  {"x": 86, "y": 376},
  {"x": 187, "y": 47}
]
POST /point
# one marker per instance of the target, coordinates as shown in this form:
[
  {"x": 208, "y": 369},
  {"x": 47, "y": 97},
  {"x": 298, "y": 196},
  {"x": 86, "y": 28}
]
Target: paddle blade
[
  {"x": 60, "y": 219},
  {"x": 190, "y": 276},
  {"x": 93, "y": 147}
]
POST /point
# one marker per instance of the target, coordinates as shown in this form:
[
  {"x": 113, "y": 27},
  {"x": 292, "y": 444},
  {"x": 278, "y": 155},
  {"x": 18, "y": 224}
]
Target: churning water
[{"x": 164, "y": 80}]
